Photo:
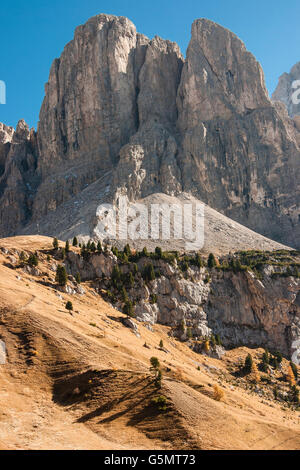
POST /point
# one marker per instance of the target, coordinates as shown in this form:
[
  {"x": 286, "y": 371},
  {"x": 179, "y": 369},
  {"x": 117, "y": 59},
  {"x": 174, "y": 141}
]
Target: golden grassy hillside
[{"x": 82, "y": 381}]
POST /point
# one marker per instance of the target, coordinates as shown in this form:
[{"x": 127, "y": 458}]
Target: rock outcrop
[
  {"x": 131, "y": 111},
  {"x": 256, "y": 308},
  {"x": 287, "y": 91},
  {"x": 18, "y": 180}
]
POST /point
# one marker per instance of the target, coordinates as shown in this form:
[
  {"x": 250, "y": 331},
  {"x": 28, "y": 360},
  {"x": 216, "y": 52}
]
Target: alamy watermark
[
  {"x": 2, "y": 92},
  {"x": 2, "y": 353},
  {"x": 134, "y": 221},
  {"x": 296, "y": 94}
]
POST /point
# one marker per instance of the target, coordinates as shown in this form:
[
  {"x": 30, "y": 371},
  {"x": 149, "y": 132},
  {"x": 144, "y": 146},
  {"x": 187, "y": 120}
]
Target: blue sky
[{"x": 34, "y": 32}]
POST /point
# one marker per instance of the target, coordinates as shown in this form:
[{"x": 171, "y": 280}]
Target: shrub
[
  {"x": 207, "y": 346},
  {"x": 161, "y": 344},
  {"x": 295, "y": 395},
  {"x": 189, "y": 333},
  {"x": 294, "y": 369},
  {"x": 290, "y": 377},
  {"x": 78, "y": 278},
  {"x": 158, "y": 252},
  {"x": 153, "y": 299},
  {"x": 160, "y": 403},
  {"x": 255, "y": 373},
  {"x": 218, "y": 393},
  {"x": 33, "y": 260}
]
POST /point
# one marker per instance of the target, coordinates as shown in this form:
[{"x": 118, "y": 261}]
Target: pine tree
[
  {"x": 99, "y": 247},
  {"x": 198, "y": 261},
  {"x": 67, "y": 246},
  {"x": 128, "y": 309},
  {"x": 61, "y": 276},
  {"x": 22, "y": 257},
  {"x": 124, "y": 295},
  {"x": 211, "y": 263},
  {"x": 69, "y": 306},
  {"x": 248, "y": 364},
  {"x": 135, "y": 269},
  {"x": 127, "y": 250},
  {"x": 149, "y": 273},
  {"x": 131, "y": 280},
  {"x": 93, "y": 247},
  {"x": 78, "y": 278},
  {"x": 75, "y": 241},
  {"x": 155, "y": 365},
  {"x": 158, "y": 379},
  {"x": 189, "y": 333},
  {"x": 158, "y": 252},
  {"x": 55, "y": 243},
  {"x": 218, "y": 340}
]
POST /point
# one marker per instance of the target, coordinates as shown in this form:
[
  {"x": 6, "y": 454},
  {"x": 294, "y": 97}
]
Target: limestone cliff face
[
  {"x": 242, "y": 308},
  {"x": 18, "y": 160},
  {"x": 238, "y": 153},
  {"x": 285, "y": 90},
  {"x": 132, "y": 109}
]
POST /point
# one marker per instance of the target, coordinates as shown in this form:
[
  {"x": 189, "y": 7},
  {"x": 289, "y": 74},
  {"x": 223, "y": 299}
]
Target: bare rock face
[
  {"x": 241, "y": 307},
  {"x": 123, "y": 114},
  {"x": 286, "y": 91},
  {"x": 239, "y": 154},
  {"x": 18, "y": 159}
]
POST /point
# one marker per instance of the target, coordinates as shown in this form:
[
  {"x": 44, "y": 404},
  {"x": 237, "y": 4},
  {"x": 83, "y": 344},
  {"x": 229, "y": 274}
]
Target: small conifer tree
[
  {"x": 69, "y": 306},
  {"x": 55, "y": 243},
  {"x": 61, "y": 276},
  {"x": 248, "y": 364},
  {"x": 211, "y": 263}
]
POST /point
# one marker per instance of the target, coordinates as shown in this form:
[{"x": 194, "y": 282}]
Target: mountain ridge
[{"x": 119, "y": 102}]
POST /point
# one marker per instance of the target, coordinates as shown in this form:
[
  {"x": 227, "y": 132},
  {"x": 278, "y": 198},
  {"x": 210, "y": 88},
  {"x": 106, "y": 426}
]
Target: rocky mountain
[
  {"x": 287, "y": 91},
  {"x": 124, "y": 114}
]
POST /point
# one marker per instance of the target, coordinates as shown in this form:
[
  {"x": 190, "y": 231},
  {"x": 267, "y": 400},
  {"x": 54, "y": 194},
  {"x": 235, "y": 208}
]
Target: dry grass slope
[{"x": 83, "y": 381}]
